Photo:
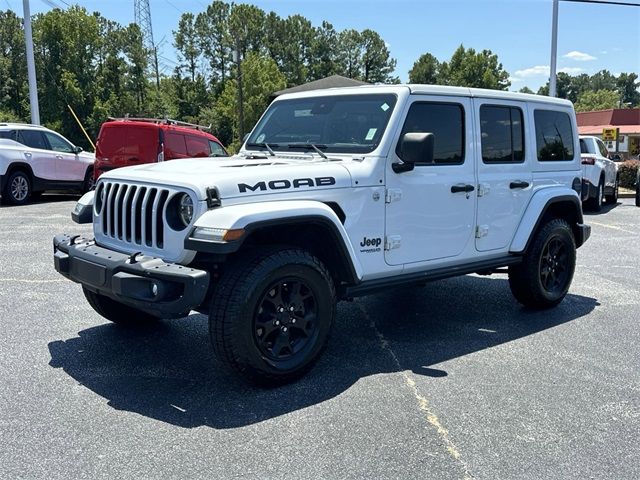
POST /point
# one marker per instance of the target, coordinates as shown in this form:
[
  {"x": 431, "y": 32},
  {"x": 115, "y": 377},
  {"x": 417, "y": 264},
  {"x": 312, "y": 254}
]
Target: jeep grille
[{"x": 133, "y": 214}]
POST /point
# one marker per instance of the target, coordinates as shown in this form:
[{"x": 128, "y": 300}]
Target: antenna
[{"x": 142, "y": 17}]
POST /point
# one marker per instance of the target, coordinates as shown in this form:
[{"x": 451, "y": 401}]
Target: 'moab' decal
[{"x": 285, "y": 184}]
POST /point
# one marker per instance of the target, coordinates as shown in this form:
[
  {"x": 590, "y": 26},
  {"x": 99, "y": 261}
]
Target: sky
[{"x": 591, "y": 37}]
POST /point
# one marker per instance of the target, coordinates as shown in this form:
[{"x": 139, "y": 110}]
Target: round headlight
[{"x": 185, "y": 209}]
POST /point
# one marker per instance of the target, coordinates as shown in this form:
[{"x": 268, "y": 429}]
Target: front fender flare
[{"x": 253, "y": 216}]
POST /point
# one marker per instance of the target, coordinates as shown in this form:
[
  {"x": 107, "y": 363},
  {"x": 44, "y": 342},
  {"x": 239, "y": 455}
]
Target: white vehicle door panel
[
  {"x": 69, "y": 167},
  {"x": 430, "y": 220},
  {"x": 505, "y": 179},
  {"x": 41, "y": 160}
]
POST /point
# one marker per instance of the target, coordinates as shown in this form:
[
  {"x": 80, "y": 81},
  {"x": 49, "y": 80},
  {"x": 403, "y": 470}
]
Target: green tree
[
  {"x": 377, "y": 63},
  {"x": 324, "y": 52},
  {"x": 260, "y": 78},
  {"x": 628, "y": 86},
  {"x": 186, "y": 42},
  {"x": 349, "y": 54},
  {"x": 425, "y": 70},
  {"x": 598, "y": 100},
  {"x": 212, "y": 26},
  {"x": 246, "y": 28},
  {"x": 468, "y": 68},
  {"x": 13, "y": 86},
  {"x": 525, "y": 89}
]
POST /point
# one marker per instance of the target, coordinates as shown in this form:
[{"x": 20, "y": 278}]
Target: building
[{"x": 625, "y": 120}]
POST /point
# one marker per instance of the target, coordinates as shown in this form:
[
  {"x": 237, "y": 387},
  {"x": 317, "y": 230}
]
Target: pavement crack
[{"x": 423, "y": 403}]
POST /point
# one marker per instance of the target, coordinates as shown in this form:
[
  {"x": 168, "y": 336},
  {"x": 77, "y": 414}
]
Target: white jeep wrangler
[{"x": 335, "y": 194}]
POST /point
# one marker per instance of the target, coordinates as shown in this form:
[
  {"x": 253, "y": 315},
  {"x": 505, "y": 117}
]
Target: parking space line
[
  {"x": 591, "y": 222},
  {"x": 423, "y": 403},
  {"x": 27, "y": 280}
]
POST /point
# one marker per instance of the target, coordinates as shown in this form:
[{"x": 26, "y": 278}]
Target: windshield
[{"x": 338, "y": 123}]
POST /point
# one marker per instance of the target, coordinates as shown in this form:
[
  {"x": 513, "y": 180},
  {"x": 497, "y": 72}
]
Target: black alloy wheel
[
  {"x": 285, "y": 321},
  {"x": 554, "y": 265}
]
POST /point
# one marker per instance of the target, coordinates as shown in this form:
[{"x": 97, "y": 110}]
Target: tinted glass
[
  {"x": 216, "y": 149},
  {"x": 554, "y": 135},
  {"x": 603, "y": 150},
  {"x": 502, "y": 134},
  {"x": 58, "y": 144},
  {"x": 446, "y": 122},
  {"x": 33, "y": 139},
  {"x": 176, "y": 145},
  {"x": 340, "y": 123},
  {"x": 8, "y": 134},
  {"x": 584, "y": 148},
  {"x": 197, "y": 146}
]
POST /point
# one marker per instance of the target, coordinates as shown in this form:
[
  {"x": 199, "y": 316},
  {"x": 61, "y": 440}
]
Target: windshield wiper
[
  {"x": 310, "y": 146},
  {"x": 265, "y": 145}
]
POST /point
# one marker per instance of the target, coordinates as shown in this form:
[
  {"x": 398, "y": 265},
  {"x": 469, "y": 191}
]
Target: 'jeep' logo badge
[
  {"x": 370, "y": 245},
  {"x": 285, "y": 184}
]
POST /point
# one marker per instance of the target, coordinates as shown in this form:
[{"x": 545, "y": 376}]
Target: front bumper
[{"x": 166, "y": 290}]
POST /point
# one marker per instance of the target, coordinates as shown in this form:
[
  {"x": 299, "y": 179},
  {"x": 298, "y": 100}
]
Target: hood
[{"x": 239, "y": 176}]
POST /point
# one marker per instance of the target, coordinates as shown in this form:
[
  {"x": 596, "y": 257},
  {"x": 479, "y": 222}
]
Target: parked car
[
  {"x": 123, "y": 142},
  {"x": 599, "y": 174},
  {"x": 336, "y": 194},
  {"x": 34, "y": 159}
]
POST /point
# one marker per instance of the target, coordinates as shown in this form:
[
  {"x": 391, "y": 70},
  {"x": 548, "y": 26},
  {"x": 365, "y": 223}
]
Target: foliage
[
  {"x": 465, "y": 68},
  {"x": 598, "y": 100},
  {"x": 627, "y": 173},
  {"x": 525, "y": 89}
]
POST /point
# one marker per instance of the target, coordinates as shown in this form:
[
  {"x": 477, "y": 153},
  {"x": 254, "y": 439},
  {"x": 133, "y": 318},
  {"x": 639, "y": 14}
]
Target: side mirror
[
  {"x": 77, "y": 150},
  {"x": 415, "y": 148}
]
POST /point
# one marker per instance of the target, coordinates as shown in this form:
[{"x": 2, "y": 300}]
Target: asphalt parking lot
[{"x": 453, "y": 380}]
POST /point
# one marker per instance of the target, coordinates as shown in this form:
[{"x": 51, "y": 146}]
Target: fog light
[{"x": 154, "y": 289}]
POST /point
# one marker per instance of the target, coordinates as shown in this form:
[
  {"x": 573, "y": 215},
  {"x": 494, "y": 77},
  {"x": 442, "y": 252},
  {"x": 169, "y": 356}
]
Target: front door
[
  {"x": 430, "y": 210},
  {"x": 505, "y": 181},
  {"x": 69, "y": 167}
]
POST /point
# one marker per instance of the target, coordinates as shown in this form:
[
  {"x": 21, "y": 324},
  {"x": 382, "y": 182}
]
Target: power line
[{"x": 605, "y": 2}]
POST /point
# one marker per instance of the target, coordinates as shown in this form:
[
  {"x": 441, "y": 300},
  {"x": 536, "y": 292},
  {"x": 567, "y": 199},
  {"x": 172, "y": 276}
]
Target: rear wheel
[
  {"x": 543, "y": 278},
  {"x": 18, "y": 188},
  {"x": 115, "y": 311},
  {"x": 612, "y": 198},
  {"x": 595, "y": 203},
  {"x": 271, "y": 315}
]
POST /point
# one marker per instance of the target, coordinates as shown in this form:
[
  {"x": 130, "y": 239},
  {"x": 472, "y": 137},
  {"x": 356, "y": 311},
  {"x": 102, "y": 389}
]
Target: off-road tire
[
  {"x": 612, "y": 198},
  {"x": 116, "y": 312},
  {"x": 527, "y": 279},
  {"x": 21, "y": 179},
  {"x": 238, "y": 307},
  {"x": 89, "y": 182},
  {"x": 595, "y": 203}
]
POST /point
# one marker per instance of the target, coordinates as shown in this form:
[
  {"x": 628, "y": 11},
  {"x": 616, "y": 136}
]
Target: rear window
[
  {"x": 176, "y": 145},
  {"x": 554, "y": 136}
]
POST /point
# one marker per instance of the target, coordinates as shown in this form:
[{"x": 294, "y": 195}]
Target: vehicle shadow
[
  {"x": 606, "y": 208},
  {"x": 44, "y": 198},
  {"x": 167, "y": 372}
]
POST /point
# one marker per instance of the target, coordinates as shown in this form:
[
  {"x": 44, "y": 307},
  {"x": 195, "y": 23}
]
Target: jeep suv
[
  {"x": 127, "y": 141},
  {"x": 335, "y": 194},
  {"x": 34, "y": 159}
]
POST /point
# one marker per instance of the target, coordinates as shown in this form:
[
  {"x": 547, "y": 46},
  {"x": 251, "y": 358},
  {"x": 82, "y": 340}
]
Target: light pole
[
  {"x": 237, "y": 56},
  {"x": 554, "y": 50},
  {"x": 31, "y": 66}
]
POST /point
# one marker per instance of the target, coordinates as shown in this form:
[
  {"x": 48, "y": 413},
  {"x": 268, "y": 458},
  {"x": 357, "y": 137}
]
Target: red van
[{"x": 132, "y": 141}]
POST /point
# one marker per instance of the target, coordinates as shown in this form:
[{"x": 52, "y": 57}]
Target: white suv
[
  {"x": 336, "y": 193},
  {"x": 34, "y": 159},
  {"x": 599, "y": 173}
]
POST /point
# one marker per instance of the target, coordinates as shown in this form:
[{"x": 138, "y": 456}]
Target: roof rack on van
[{"x": 165, "y": 120}]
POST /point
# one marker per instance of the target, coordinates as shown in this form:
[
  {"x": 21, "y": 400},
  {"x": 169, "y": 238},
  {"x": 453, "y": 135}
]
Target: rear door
[
  {"x": 505, "y": 178},
  {"x": 37, "y": 153}
]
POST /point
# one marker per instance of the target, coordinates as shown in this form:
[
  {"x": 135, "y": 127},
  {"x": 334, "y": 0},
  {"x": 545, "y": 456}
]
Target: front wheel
[
  {"x": 117, "y": 312},
  {"x": 543, "y": 278},
  {"x": 271, "y": 315}
]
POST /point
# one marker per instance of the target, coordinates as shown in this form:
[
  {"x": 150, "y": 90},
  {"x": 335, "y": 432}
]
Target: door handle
[
  {"x": 518, "y": 184},
  {"x": 59, "y": 157},
  {"x": 134, "y": 159},
  {"x": 462, "y": 187}
]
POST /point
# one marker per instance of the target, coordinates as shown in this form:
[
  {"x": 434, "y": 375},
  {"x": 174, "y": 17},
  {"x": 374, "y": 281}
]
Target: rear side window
[
  {"x": 33, "y": 139},
  {"x": 216, "y": 149},
  {"x": 177, "y": 145},
  {"x": 446, "y": 122},
  {"x": 584, "y": 147},
  {"x": 197, "y": 146},
  {"x": 8, "y": 134},
  {"x": 554, "y": 136},
  {"x": 502, "y": 134}
]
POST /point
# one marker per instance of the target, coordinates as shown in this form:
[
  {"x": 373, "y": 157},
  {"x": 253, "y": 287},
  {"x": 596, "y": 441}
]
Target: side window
[
  {"x": 33, "y": 139},
  {"x": 177, "y": 145},
  {"x": 216, "y": 149},
  {"x": 554, "y": 135},
  {"x": 502, "y": 134},
  {"x": 8, "y": 134},
  {"x": 197, "y": 146},
  {"x": 603, "y": 150},
  {"x": 58, "y": 144},
  {"x": 584, "y": 148},
  {"x": 446, "y": 122}
]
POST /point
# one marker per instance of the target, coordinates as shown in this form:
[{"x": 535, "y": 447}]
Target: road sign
[{"x": 609, "y": 134}]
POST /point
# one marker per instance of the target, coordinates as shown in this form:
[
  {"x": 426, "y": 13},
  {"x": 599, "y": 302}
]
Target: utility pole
[
  {"x": 237, "y": 56},
  {"x": 31, "y": 65},
  {"x": 142, "y": 17},
  {"x": 554, "y": 49}
]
